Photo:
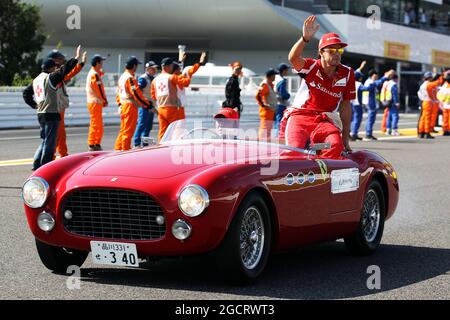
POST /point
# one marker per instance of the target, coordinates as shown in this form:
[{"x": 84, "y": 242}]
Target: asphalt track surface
[{"x": 414, "y": 258}]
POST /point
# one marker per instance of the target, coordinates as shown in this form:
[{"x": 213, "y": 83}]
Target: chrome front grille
[{"x": 113, "y": 214}]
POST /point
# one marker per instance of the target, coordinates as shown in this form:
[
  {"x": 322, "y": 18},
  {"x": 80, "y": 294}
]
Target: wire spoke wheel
[
  {"x": 251, "y": 238},
  {"x": 244, "y": 252},
  {"x": 371, "y": 216},
  {"x": 367, "y": 237}
]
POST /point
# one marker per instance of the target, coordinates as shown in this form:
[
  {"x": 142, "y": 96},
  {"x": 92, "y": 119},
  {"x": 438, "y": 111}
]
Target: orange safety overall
[
  {"x": 129, "y": 98},
  {"x": 164, "y": 91},
  {"x": 96, "y": 100},
  {"x": 61, "y": 140},
  {"x": 267, "y": 101},
  {"x": 429, "y": 115}
]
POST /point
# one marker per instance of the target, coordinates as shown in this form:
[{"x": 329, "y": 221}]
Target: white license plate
[{"x": 114, "y": 253}]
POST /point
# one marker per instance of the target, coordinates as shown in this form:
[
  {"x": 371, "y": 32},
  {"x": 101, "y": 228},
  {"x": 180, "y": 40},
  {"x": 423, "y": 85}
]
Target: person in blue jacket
[
  {"x": 357, "y": 109},
  {"x": 372, "y": 85},
  {"x": 282, "y": 94},
  {"x": 393, "y": 117},
  {"x": 145, "y": 118}
]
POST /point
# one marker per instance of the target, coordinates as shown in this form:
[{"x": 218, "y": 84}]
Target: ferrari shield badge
[{"x": 323, "y": 168}]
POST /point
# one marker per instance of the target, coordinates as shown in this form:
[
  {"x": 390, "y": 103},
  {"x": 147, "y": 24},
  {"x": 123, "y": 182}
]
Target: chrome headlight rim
[
  {"x": 204, "y": 195},
  {"x": 187, "y": 227},
  {"x": 46, "y": 190}
]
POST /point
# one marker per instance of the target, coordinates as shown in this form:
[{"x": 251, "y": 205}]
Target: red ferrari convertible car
[{"x": 206, "y": 190}]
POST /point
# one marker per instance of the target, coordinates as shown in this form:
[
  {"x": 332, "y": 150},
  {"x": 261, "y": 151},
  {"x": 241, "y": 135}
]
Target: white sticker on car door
[{"x": 345, "y": 180}]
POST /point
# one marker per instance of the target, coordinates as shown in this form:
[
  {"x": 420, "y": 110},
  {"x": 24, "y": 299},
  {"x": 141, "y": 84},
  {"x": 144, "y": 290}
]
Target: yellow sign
[
  {"x": 440, "y": 58},
  {"x": 396, "y": 50}
]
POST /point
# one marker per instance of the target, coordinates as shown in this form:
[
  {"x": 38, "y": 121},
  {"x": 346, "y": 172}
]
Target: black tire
[
  {"x": 358, "y": 243},
  {"x": 58, "y": 259},
  {"x": 228, "y": 255}
]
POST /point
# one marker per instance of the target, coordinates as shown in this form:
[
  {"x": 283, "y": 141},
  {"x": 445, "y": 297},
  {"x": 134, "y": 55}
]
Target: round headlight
[
  {"x": 45, "y": 221},
  {"x": 181, "y": 229},
  {"x": 35, "y": 192},
  {"x": 193, "y": 200}
]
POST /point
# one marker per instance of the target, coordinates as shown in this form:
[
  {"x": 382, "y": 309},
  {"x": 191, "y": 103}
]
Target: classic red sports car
[{"x": 206, "y": 190}]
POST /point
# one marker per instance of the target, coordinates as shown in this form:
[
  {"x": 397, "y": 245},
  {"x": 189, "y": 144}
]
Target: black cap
[
  {"x": 166, "y": 62},
  {"x": 151, "y": 64},
  {"x": 132, "y": 61},
  {"x": 372, "y": 72},
  {"x": 271, "y": 72},
  {"x": 48, "y": 64},
  {"x": 282, "y": 67},
  {"x": 55, "y": 54},
  {"x": 96, "y": 59},
  {"x": 176, "y": 66}
]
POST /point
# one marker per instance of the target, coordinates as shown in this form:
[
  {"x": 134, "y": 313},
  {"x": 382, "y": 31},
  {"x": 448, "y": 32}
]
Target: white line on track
[{"x": 37, "y": 137}]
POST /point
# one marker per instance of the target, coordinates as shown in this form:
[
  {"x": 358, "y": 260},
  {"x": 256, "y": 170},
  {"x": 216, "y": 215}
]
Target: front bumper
[{"x": 208, "y": 229}]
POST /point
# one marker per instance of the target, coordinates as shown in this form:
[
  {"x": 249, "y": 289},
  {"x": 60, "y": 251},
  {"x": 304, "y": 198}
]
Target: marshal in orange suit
[
  {"x": 129, "y": 98},
  {"x": 96, "y": 101}
]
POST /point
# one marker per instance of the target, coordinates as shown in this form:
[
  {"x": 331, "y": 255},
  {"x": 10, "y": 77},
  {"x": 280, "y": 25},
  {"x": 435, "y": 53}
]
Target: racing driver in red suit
[{"x": 321, "y": 111}]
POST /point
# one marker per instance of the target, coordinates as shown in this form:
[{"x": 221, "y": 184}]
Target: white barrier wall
[{"x": 15, "y": 113}]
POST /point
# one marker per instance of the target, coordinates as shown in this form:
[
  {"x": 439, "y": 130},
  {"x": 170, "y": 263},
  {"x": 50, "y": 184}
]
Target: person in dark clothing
[
  {"x": 42, "y": 95},
  {"x": 282, "y": 94},
  {"x": 233, "y": 90}
]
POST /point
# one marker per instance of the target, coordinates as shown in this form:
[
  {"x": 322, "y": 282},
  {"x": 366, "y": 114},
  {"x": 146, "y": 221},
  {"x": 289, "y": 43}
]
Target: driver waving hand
[{"x": 321, "y": 111}]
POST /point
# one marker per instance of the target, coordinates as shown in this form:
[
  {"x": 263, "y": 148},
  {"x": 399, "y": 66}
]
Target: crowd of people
[
  {"x": 328, "y": 106},
  {"x": 139, "y": 99}
]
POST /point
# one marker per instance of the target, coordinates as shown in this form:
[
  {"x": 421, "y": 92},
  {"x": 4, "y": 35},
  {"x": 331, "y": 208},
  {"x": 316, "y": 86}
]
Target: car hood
[
  {"x": 164, "y": 161},
  {"x": 153, "y": 163}
]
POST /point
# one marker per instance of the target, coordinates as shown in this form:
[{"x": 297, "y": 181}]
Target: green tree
[{"x": 21, "y": 40}]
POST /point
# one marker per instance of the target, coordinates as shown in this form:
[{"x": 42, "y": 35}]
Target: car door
[
  {"x": 344, "y": 178},
  {"x": 301, "y": 195},
  {"x": 341, "y": 193}
]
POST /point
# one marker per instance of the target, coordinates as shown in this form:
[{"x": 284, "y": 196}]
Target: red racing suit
[{"x": 313, "y": 117}]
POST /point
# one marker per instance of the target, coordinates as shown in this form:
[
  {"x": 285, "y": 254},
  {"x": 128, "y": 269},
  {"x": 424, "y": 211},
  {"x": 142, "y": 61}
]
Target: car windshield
[{"x": 222, "y": 129}]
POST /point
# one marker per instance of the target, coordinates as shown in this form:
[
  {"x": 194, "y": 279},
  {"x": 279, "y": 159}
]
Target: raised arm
[
  {"x": 387, "y": 75},
  {"x": 77, "y": 68},
  {"x": 361, "y": 67},
  {"x": 296, "y": 54},
  {"x": 58, "y": 76}
]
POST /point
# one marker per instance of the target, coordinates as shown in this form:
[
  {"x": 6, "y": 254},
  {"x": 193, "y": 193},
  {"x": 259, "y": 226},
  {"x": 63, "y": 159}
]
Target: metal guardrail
[{"x": 15, "y": 113}]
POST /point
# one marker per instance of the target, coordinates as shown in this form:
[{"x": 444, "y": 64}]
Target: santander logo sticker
[{"x": 341, "y": 83}]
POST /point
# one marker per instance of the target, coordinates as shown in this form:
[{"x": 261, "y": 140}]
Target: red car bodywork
[{"x": 301, "y": 214}]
